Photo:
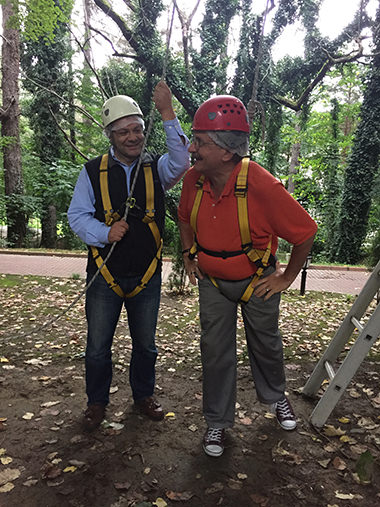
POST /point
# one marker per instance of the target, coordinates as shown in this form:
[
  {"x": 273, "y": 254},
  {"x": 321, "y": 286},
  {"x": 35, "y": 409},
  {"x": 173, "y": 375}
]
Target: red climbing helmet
[{"x": 223, "y": 112}]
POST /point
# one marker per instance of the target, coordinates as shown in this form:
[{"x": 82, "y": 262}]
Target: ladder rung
[
  {"x": 357, "y": 324},
  {"x": 330, "y": 370}
]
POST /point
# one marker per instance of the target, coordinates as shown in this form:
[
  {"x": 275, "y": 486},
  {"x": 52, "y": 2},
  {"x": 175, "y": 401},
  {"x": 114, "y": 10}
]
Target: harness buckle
[
  {"x": 131, "y": 201},
  {"x": 247, "y": 247},
  {"x": 241, "y": 190}
]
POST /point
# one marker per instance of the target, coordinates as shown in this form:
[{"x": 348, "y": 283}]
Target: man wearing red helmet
[{"x": 231, "y": 214}]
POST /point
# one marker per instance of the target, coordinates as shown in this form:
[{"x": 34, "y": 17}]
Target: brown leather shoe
[
  {"x": 151, "y": 408},
  {"x": 93, "y": 416}
]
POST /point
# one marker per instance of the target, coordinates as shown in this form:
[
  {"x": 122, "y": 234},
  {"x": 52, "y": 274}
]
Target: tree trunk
[
  {"x": 295, "y": 157},
  {"x": 13, "y": 180},
  {"x": 87, "y": 10},
  {"x": 49, "y": 227},
  {"x": 363, "y": 166}
]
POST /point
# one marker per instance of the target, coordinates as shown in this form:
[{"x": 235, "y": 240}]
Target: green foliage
[
  {"x": 363, "y": 166},
  {"x": 38, "y": 19},
  {"x": 210, "y": 64}
]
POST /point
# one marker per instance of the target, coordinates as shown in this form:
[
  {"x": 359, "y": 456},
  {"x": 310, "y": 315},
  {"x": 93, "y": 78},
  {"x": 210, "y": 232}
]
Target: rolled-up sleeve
[
  {"x": 81, "y": 214},
  {"x": 173, "y": 165}
]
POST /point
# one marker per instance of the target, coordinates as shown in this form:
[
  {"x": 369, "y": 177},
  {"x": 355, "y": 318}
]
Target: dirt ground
[{"x": 47, "y": 461}]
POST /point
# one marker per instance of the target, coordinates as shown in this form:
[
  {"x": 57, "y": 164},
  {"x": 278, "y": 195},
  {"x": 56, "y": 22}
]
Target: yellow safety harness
[
  {"x": 112, "y": 216},
  {"x": 259, "y": 257}
]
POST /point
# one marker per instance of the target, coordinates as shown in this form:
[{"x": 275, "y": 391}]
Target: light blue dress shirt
[{"x": 171, "y": 167}]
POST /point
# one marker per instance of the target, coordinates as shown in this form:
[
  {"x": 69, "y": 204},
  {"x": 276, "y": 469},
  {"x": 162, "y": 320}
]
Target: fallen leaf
[
  {"x": 9, "y": 475},
  {"x": 331, "y": 431},
  {"x": 324, "y": 462},
  {"x": 214, "y": 488},
  {"x": 50, "y": 471},
  {"x": 30, "y": 482},
  {"x": 242, "y": 476},
  {"x": 69, "y": 469},
  {"x": 160, "y": 502},
  {"x": 176, "y": 496},
  {"x": 5, "y": 460},
  {"x": 7, "y": 487},
  {"x": 77, "y": 463},
  {"x": 122, "y": 486},
  {"x": 170, "y": 415},
  {"x": 367, "y": 423},
  {"x": 147, "y": 470},
  {"x": 28, "y": 416},
  {"x": 344, "y": 496},
  {"x": 339, "y": 464},
  {"x": 344, "y": 420},
  {"x": 233, "y": 484},
  {"x": 50, "y": 403},
  {"x": 259, "y": 499}
]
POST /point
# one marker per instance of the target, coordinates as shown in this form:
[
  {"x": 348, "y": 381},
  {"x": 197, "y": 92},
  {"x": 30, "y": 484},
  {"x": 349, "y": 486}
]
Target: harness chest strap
[
  {"x": 111, "y": 216},
  {"x": 260, "y": 257}
]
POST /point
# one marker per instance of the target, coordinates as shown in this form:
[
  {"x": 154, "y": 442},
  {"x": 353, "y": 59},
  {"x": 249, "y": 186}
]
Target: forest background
[{"x": 315, "y": 117}]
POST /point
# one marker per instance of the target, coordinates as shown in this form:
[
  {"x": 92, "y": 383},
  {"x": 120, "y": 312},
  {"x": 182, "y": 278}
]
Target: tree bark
[
  {"x": 9, "y": 114},
  {"x": 49, "y": 227},
  {"x": 295, "y": 157}
]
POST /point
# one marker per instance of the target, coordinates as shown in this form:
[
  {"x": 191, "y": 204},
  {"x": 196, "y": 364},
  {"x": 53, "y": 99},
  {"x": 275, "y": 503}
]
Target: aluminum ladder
[{"x": 367, "y": 336}]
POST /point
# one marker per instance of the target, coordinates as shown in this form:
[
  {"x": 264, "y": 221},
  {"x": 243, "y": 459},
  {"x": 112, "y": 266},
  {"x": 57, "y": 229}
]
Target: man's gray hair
[{"x": 232, "y": 140}]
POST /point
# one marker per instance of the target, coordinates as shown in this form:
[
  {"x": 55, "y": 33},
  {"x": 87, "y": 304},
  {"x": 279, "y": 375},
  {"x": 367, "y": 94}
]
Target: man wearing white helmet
[
  {"x": 231, "y": 213},
  {"x": 132, "y": 274}
]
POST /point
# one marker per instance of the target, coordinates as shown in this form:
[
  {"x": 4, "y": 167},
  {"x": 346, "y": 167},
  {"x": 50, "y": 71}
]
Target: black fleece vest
[{"x": 133, "y": 254}]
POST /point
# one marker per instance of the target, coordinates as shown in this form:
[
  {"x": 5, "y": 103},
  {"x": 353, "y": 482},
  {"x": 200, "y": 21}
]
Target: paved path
[{"x": 341, "y": 280}]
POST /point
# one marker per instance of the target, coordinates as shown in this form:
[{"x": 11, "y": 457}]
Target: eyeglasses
[
  {"x": 198, "y": 143},
  {"x": 137, "y": 131}
]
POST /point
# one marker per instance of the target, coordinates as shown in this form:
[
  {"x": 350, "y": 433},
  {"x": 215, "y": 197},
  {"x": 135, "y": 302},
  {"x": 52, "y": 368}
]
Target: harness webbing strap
[
  {"x": 106, "y": 273},
  {"x": 111, "y": 217},
  {"x": 261, "y": 258},
  {"x": 241, "y": 189},
  {"x": 197, "y": 202}
]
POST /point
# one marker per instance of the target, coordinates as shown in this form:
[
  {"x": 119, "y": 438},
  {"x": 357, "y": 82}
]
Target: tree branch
[
  {"x": 66, "y": 136},
  {"x": 4, "y": 113},
  {"x": 297, "y": 104},
  {"x": 115, "y": 52},
  {"x": 127, "y": 33},
  {"x": 91, "y": 67},
  {"x": 79, "y": 108}
]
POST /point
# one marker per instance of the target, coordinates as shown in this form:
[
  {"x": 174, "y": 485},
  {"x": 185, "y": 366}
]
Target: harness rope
[{"x": 129, "y": 198}]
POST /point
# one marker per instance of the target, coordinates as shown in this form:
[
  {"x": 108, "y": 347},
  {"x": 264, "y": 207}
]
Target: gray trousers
[{"x": 218, "y": 316}]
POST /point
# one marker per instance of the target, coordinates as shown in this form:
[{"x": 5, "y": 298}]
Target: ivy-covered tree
[
  {"x": 362, "y": 168},
  {"x": 45, "y": 65},
  {"x": 9, "y": 116}
]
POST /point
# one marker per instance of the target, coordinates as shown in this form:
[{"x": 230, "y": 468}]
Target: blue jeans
[{"x": 103, "y": 307}]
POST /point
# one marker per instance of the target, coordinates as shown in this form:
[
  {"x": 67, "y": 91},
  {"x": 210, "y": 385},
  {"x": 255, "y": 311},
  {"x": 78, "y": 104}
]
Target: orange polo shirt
[{"x": 271, "y": 211}]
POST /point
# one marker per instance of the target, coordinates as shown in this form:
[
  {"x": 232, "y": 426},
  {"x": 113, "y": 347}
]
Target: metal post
[{"x": 304, "y": 274}]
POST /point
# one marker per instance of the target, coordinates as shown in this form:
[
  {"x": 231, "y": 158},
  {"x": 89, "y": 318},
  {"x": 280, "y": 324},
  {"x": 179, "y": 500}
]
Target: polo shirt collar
[{"x": 229, "y": 186}]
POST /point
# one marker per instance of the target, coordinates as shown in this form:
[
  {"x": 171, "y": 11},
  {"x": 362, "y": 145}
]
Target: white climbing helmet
[{"x": 118, "y": 107}]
